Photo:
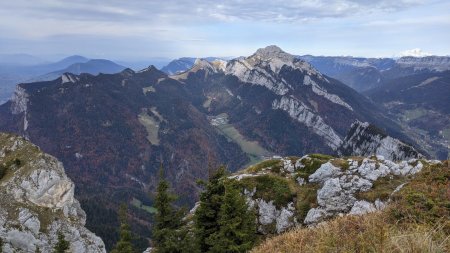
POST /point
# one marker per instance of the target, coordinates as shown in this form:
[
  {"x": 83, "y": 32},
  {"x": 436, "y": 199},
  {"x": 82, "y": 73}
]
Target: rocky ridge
[
  {"x": 292, "y": 191},
  {"x": 365, "y": 139},
  {"x": 38, "y": 202}
]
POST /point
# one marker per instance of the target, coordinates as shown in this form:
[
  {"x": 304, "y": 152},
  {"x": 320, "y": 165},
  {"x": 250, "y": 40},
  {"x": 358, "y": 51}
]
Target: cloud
[
  {"x": 233, "y": 27},
  {"x": 194, "y": 10},
  {"x": 416, "y": 52}
]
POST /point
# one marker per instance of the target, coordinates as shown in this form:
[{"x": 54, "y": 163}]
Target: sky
[{"x": 142, "y": 29}]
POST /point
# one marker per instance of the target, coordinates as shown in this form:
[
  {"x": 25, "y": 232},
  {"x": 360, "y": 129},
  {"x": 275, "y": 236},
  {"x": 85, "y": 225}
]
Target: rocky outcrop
[
  {"x": 300, "y": 112},
  {"x": 38, "y": 202},
  {"x": 19, "y": 100},
  {"x": 364, "y": 139},
  {"x": 339, "y": 187},
  {"x": 292, "y": 191},
  {"x": 269, "y": 215}
]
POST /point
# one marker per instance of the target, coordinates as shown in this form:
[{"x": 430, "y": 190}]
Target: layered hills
[{"x": 112, "y": 131}]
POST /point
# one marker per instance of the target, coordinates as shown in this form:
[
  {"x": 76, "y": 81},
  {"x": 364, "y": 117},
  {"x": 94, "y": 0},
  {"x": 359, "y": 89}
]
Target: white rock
[
  {"x": 29, "y": 221},
  {"x": 288, "y": 166},
  {"x": 362, "y": 207},
  {"x": 315, "y": 215},
  {"x": 269, "y": 214},
  {"x": 324, "y": 172},
  {"x": 332, "y": 197}
]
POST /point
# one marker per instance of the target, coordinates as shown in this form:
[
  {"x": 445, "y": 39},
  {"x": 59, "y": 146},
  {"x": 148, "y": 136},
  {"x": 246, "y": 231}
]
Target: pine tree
[
  {"x": 237, "y": 231},
  {"x": 124, "y": 244},
  {"x": 169, "y": 233},
  {"x": 207, "y": 214},
  {"x": 62, "y": 245},
  {"x": 1, "y": 245}
]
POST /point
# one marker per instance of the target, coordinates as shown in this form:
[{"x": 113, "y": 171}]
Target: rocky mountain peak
[
  {"x": 127, "y": 72},
  {"x": 273, "y": 51},
  {"x": 38, "y": 202},
  {"x": 150, "y": 68},
  {"x": 202, "y": 63}
]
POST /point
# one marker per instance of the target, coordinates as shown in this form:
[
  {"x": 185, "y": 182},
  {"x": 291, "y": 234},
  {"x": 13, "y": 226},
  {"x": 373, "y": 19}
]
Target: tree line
[{"x": 222, "y": 221}]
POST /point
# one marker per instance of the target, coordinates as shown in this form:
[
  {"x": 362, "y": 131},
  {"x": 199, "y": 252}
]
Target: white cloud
[
  {"x": 193, "y": 10},
  {"x": 416, "y": 52}
]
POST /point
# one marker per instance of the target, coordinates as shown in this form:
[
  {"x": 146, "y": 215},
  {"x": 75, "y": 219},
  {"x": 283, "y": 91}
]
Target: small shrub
[
  {"x": 341, "y": 163},
  {"x": 382, "y": 188},
  {"x": 2, "y": 170},
  {"x": 311, "y": 164},
  {"x": 264, "y": 164},
  {"x": 269, "y": 187},
  {"x": 426, "y": 198},
  {"x": 17, "y": 161},
  {"x": 321, "y": 156},
  {"x": 306, "y": 199}
]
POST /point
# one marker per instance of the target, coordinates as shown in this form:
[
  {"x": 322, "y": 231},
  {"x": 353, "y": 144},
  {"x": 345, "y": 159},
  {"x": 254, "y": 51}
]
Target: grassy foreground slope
[{"x": 417, "y": 220}]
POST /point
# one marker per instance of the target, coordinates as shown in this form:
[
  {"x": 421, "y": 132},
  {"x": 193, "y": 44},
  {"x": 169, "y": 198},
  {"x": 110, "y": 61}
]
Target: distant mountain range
[
  {"x": 366, "y": 73},
  {"x": 93, "y": 67},
  {"x": 357, "y": 72},
  {"x": 14, "y": 71},
  {"x": 112, "y": 131}
]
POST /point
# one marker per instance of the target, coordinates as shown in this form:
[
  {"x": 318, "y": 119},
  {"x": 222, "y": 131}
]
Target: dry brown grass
[
  {"x": 369, "y": 233},
  {"x": 416, "y": 221}
]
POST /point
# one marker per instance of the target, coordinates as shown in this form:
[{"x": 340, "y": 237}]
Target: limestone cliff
[
  {"x": 365, "y": 139},
  {"x": 37, "y": 202}
]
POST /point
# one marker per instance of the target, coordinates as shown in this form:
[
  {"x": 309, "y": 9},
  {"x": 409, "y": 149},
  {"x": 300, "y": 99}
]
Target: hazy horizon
[{"x": 139, "y": 30}]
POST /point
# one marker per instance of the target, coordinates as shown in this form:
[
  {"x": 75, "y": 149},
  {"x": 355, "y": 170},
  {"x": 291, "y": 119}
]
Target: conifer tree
[
  {"x": 1, "y": 245},
  {"x": 237, "y": 231},
  {"x": 207, "y": 214},
  {"x": 124, "y": 244},
  {"x": 62, "y": 245},
  {"x": 169, "y": 233}
]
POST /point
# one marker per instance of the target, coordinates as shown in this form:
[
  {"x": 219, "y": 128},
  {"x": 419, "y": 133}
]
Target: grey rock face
[
  {"x": 19, "y": 100},
  {"x": 302, "y": 113},
  {"x": 269, "y": 214},
  {"x": 338, "y": 187},
  {"x": 364, "y": 139},
  {"x": 38, "y": 202}
]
